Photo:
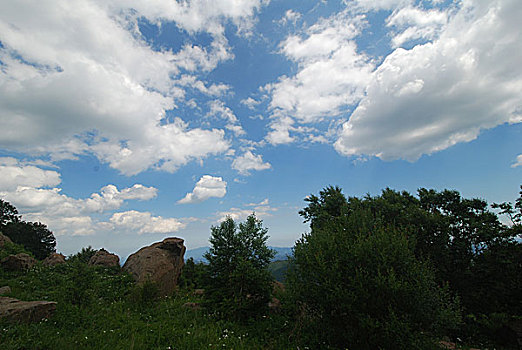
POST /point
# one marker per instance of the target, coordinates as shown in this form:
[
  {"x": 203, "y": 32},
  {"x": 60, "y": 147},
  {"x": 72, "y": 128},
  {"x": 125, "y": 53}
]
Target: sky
[{"x": 127, "y": 121}]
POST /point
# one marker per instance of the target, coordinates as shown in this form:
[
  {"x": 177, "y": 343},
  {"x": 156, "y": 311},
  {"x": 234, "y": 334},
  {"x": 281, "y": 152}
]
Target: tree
[
  {"x": 8, "y": 214},
  {"x": 34, "y": 236},
  {"x": 357, "y": 282},
  {"x": 239, "y": 280}
]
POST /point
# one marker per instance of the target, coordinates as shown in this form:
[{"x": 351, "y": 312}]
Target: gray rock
[
  {"x": 14, "y": 310},
  {"x": 4, "y": 239},
  {"x": 54, "y": 259},
  {"x": 5, "y": 290},
  {"x": 18, "y": 262},
  {"x": 160, "y": 263},
  {"x": 104, "y": 258}
]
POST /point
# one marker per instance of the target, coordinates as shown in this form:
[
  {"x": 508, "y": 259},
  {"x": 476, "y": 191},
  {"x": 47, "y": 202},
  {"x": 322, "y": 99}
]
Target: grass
[{"x": 98, "y": 309}]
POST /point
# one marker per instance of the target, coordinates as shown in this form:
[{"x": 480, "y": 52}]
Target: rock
[
  {"x": 14, "y": 310},
  {"x": 190, "y": 305},
  {"x": 4, "y": 239},
  {"x": 18, "y": 262},
  {"x": 54, "y": 259},
  {"x": 160, "y": 263},
  {"x": 104, "y": 258},
  {"x": 5, "y": 290}
]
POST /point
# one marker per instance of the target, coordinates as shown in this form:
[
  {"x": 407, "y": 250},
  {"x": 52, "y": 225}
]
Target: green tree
[
  {"x": 34, "y": 236},
  {"x": 357, "y": 281},
  {"x": 239, "y": 281},
  {"x": 8, "y": 214}
]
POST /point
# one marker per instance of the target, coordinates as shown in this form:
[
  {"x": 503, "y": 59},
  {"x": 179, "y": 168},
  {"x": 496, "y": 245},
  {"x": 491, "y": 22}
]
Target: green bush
[
  {"x": 357, "y": 284},
  {"x": 239, "y": 283}
]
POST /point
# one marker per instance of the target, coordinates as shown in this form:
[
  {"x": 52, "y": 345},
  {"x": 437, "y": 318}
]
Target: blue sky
[{"x": 128, "y": 121}]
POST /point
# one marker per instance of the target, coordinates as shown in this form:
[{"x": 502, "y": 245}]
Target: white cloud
[
  {"x": 331, "y": 76},
  {"x": 250, "y": 103},
  {"x": 518, "y": 161},
  {"x": 290, "y": 16},
  {"x": 249, "y": 161},
  {"x": 79, "y": 78},
  {"x": 443, "y": 92},
  {"x": 416, "y": 23},
  {"x": 262, "y": 210},
  {"x": 218, "y": 109},
  {"x": 207, "y": 187},
  {"x": 26, "y": 187},
  {"x": 376, "y": 5},
  {"x": 144, "y": 222},
  {"x": 14, "y": 174}
]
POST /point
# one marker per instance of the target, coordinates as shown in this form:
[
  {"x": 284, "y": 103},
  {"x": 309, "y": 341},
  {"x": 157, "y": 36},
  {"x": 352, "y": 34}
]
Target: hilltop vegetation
[{"x": 393, "y": 271}]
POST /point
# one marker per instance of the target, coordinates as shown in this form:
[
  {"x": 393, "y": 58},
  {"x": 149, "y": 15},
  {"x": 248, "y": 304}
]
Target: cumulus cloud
[
  {"x": 13, "y": 174},
  {"x": 262, "y": 210},
  {"x": 79, "y": 78},
  {"x": 207, "y": 187},
  {"x": 29, "y": 189},
  {"x": 415, "y": 23},
  {"x": 144, "y": 222},
  {"x": 331, "y": 76},
  {"x": 250, "y": 103},
  {"x": 437, "y": 94},
  {"x": 249, "y": 161},
  {"x": 518, "y": 161}
]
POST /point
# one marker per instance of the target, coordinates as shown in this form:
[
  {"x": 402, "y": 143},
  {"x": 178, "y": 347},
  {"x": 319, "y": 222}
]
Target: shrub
[
  {"x": 359, "y": 285},
  {"x": 239, "y": 281}
]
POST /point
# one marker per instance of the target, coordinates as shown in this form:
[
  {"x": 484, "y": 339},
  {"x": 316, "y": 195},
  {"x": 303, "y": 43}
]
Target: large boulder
[
  {"x": 14, "y": 310},
  {"x": 4, "y": 239},
  {"x": 18, "y": 262},
  {"x": 160, "y": 263},
  {"x": 54, "y": 259},
  {"x": 104, "y": 258}
]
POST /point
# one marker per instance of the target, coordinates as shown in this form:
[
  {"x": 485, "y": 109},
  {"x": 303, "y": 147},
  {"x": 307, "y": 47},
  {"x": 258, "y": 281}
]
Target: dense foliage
[
  {"x": 34, "y": 236},
  {"x": 239, "y": 280},
  {"x": 358, "y": 283},
  {"x": 464, "y": 242}
]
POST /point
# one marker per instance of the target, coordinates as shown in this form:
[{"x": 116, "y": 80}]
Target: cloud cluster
[
  {"x": 31, "y": 190},
  {"x": 78, "y": 77},
  {"x": 144, "y": 222},
  {"x": 451, "y": 72},
  {"x": 207, "y": 187},
  {"x": 446, "y": 91},
  {"x": 262, "y": 210},
  {"x": 14, "y": 173},
  {"x": 331, "y": 75}
]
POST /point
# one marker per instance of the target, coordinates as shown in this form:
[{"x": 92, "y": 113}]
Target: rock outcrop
[
  {"x": 160, "y": 263},
  {"x": 4, "y": 239},
  {"x": 104, "y": 258},
  {"x": 14, "y": 310},
  {"x": 5, "y": 290},
  {"x": 18, "y": 262},
  {"x": 54, "y": 259}
]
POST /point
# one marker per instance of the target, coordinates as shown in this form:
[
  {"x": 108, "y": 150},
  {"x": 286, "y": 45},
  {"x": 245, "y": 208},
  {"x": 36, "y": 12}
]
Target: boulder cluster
[{"x": 160, "y": 263}]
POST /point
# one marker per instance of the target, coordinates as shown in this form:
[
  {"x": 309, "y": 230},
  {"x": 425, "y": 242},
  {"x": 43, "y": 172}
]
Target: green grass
[{"x": 97, "y": 309}]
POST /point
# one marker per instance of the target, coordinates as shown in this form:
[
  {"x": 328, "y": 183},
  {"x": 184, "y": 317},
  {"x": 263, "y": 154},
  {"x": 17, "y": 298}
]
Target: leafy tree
[
  {"x": 8, "y": 214},
  {"x": 84, "y": 255},
  {"x": 193, "y": 275},
  {"x": 34, "y": 236},
  {"x": 239, "y": 280},
  {"x": 358, "y": 283}
]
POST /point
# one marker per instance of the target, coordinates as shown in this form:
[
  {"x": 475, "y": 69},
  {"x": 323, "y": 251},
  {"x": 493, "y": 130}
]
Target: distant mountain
[{"x": 197, "y": 253}]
